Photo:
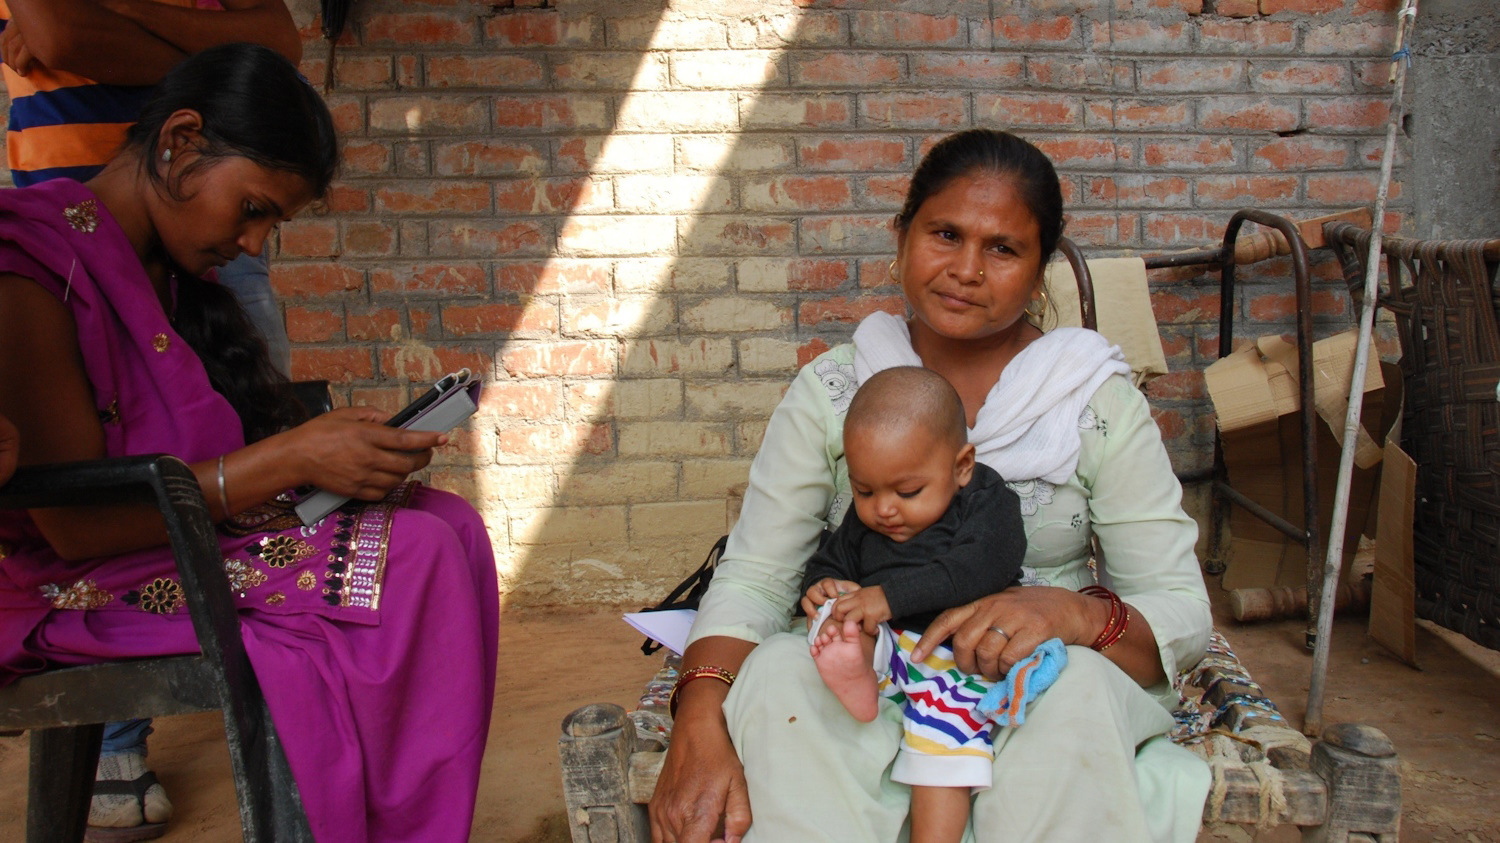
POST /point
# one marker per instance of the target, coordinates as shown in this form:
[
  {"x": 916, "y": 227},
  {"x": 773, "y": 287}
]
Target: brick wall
[{"x": 638, "y": 218}]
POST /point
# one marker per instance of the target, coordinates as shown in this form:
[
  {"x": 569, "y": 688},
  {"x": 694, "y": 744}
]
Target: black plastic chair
[{"x": 65, "y": 710}]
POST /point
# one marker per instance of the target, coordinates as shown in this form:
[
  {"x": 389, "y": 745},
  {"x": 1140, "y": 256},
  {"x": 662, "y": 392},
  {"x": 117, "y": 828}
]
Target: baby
[{"x": 930, "y": 529}]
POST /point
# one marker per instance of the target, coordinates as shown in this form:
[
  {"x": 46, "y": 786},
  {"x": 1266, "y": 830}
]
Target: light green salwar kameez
[{"x": 1091, "y": 761}]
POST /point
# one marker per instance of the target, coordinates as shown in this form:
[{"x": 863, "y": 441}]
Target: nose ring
[{"x": 981, "y": 273}]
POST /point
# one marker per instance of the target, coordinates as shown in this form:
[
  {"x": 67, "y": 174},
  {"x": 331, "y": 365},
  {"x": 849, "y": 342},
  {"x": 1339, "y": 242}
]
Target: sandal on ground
[{"x": 126, "y": 834}]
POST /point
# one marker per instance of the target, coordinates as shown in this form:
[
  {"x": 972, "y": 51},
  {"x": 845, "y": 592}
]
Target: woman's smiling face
[{"x": 971, "y": 258}]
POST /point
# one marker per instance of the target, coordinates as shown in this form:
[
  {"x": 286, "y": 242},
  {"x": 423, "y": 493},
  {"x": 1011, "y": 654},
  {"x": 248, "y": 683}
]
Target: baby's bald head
[{"x": 905, "y": 401}]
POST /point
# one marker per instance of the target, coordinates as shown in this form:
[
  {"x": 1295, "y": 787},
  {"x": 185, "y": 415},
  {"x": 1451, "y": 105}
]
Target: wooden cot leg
[
  {"x": 595, "y": 746},
  {"x": 1363, "y": 775},
  {"x": 62, "y": 782}
]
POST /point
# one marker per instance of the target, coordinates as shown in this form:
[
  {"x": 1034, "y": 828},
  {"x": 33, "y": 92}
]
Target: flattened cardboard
[
  {"x": 1255, "y": 395},
  {"x": 1393, "y": 615}
]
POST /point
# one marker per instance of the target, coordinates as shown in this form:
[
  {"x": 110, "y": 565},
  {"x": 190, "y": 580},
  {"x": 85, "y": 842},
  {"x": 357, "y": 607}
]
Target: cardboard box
[{"x": 1256, "y": 397}]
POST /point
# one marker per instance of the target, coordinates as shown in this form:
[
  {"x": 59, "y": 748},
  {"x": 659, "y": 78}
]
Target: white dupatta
[{"x": 1028, "y": 426}]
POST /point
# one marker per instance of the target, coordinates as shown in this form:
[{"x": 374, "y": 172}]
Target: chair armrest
[{"x": 170, "y": 485}]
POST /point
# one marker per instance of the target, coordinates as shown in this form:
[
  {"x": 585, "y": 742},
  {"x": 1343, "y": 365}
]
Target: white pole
[{"x": 1313, "y": 724}]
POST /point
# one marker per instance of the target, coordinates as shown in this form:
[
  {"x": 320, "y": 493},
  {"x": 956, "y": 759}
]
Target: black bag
[{"x": 687, "y": 593}]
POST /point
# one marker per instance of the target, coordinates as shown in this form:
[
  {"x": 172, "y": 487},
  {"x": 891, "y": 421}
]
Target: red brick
[
  {"x": 1027, "y": 110},
  {"x": 578, "y": 358},
  {"x": 1015, "y": 33},
  {"x": 434, "y": 197},
  {"x": 966, "y": 68},
  {"x": 1348, "y": 113},
  {"x": 875, "y": 273},
  {"x": 1246, "y": 191},
  {"x": 846, "y": 310},
  {"x": 798, "y": 111},
  {"x": 443, "y": 279},
  {"x": 1300, "y": 7},
  {"x": 428, "y": 114},
  {"x": 468, "y": 71},
  {"x": 1185, "y": 307},
  {"x": 1302, "y": 77},
  {"x": 887, "y": 191},
  {"x": 406, "y": 71},
  {"x": 907, "y": 29},
  {"x": 1193, "y": 76},
  {"x": 344, "y": 199},
  {"x": 380, "y": 324},
  {"x": 552, "y": 277},
  {"x": 1349, "y": 39},
  {"x": 1082, "y": 151},
  {"x": 1171, "y": 229},
  {"x": 1070, "y": 74},
  {"x": 809, "y": 350},
  {"x": 1237, "y": 8},
  {"x": 1282, "y": 307},
  {"x": 386, "y": 399},
  {"x": 1335, "y": 189},
  {"x": 1136, "y": 114},
  {"x": 550, "y": 112},
  {"x": 810, "y": 275},
  {"x": 1170, "y": 423},
  {"x": 421, "y": 322},
  {"x": 1192, "y": 7},
  {"x": 1097, "y": 228},
  {"x": 549, "y": 441},
  {"x": 486, "y": 238},
  {"x": 368, "y": 239},
  {"x": 304, "y": 324},
  {"x": 840, "y": 69},
  {"x": 487, "y": 158},
  {"x": 348, "y": 114},
  {"x": 1189, "y": 154},
  {"x": 366, "y": 157},
  {"x": 534, "y": 400},
  {"x": 846, "y": 234},
  {"x": 1142, "y": 36},
  {"x": 363, "y": 72},
  {"x": 1257, "y": 37},
  {"x": 524, "y": 29},
  {"x": 314, "y": 279},
  {"x": 1177, "y": 386},
  {"x": 1375, "y": 7},
  {"x": 715, "y": 235},
  {"x": 340, "y": 365},
  {"x": 800, "y": 193},
  {"x": 309, "y": 238},
  {"x": 1151, "y": 191},
  {"x": 1255, "y": 114},
  {"x": 914, "y": 111},
  {"x": 498, "y": 319},
  {"x": 428, "y": 363},
  {"x": 418, "y": 30},
  {"x": 1303, "y": 153},
  {"x": 860, "y": 154}
]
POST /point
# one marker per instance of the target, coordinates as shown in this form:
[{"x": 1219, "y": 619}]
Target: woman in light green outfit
[{"x": 766, "y": 753}]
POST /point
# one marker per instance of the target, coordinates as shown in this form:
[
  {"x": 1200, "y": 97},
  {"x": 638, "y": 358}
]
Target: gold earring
[
  {"x": 890, "y": 272},
  {"x": 1043, "y": 310}
]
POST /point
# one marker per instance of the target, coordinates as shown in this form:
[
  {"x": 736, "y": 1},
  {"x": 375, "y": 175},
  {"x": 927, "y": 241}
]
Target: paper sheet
[{"x": 669, "y": 627}]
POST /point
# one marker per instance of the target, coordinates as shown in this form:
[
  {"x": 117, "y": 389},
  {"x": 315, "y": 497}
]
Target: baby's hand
[
  {"x": 865, "y": 606},
  {"x": 823, "y": 591}
]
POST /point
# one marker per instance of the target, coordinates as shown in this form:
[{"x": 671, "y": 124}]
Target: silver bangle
[{"x": 223, "y": 495}]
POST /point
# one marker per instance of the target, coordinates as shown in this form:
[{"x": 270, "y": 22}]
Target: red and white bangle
[
  {"x": 699, "y": 672},
  {"x": 1119, "y": 617}
]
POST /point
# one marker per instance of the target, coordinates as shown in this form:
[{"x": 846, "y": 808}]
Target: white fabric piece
[
  {"x": 880, "y": 661},
  {"x": 1028, "y": 426}
]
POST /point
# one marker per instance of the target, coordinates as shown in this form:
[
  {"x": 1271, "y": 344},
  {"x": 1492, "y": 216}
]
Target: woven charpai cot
[{"x": 1443, "y": 296}]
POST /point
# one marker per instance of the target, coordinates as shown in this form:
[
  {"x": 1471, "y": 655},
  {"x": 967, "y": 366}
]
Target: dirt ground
[{"x": 1444, "y": 721}]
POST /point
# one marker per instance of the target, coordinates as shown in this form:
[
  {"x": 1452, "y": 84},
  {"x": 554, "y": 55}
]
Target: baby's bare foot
[{"x": 846, "y": 670}]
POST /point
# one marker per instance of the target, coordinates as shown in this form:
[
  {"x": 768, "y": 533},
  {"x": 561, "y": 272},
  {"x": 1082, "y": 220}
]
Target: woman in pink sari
[{"x": 373, "y": 631}]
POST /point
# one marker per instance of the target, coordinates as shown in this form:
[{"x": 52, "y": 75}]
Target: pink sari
[{"x": 374, "y": 632}]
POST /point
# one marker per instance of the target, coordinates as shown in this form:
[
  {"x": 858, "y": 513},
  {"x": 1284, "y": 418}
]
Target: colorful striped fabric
[
  {"x": 64, "y": 125},
  {"x": 941, "y": 716}
]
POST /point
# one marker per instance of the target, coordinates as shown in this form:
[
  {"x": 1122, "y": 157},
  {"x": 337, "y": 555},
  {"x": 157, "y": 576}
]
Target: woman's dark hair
[
  {"x": 254, "y": 105},
  {"x": 999, "y": 153}
]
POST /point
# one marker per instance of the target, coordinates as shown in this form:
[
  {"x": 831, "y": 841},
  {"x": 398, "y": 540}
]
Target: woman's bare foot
[{"x": 843, "y": 660}]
